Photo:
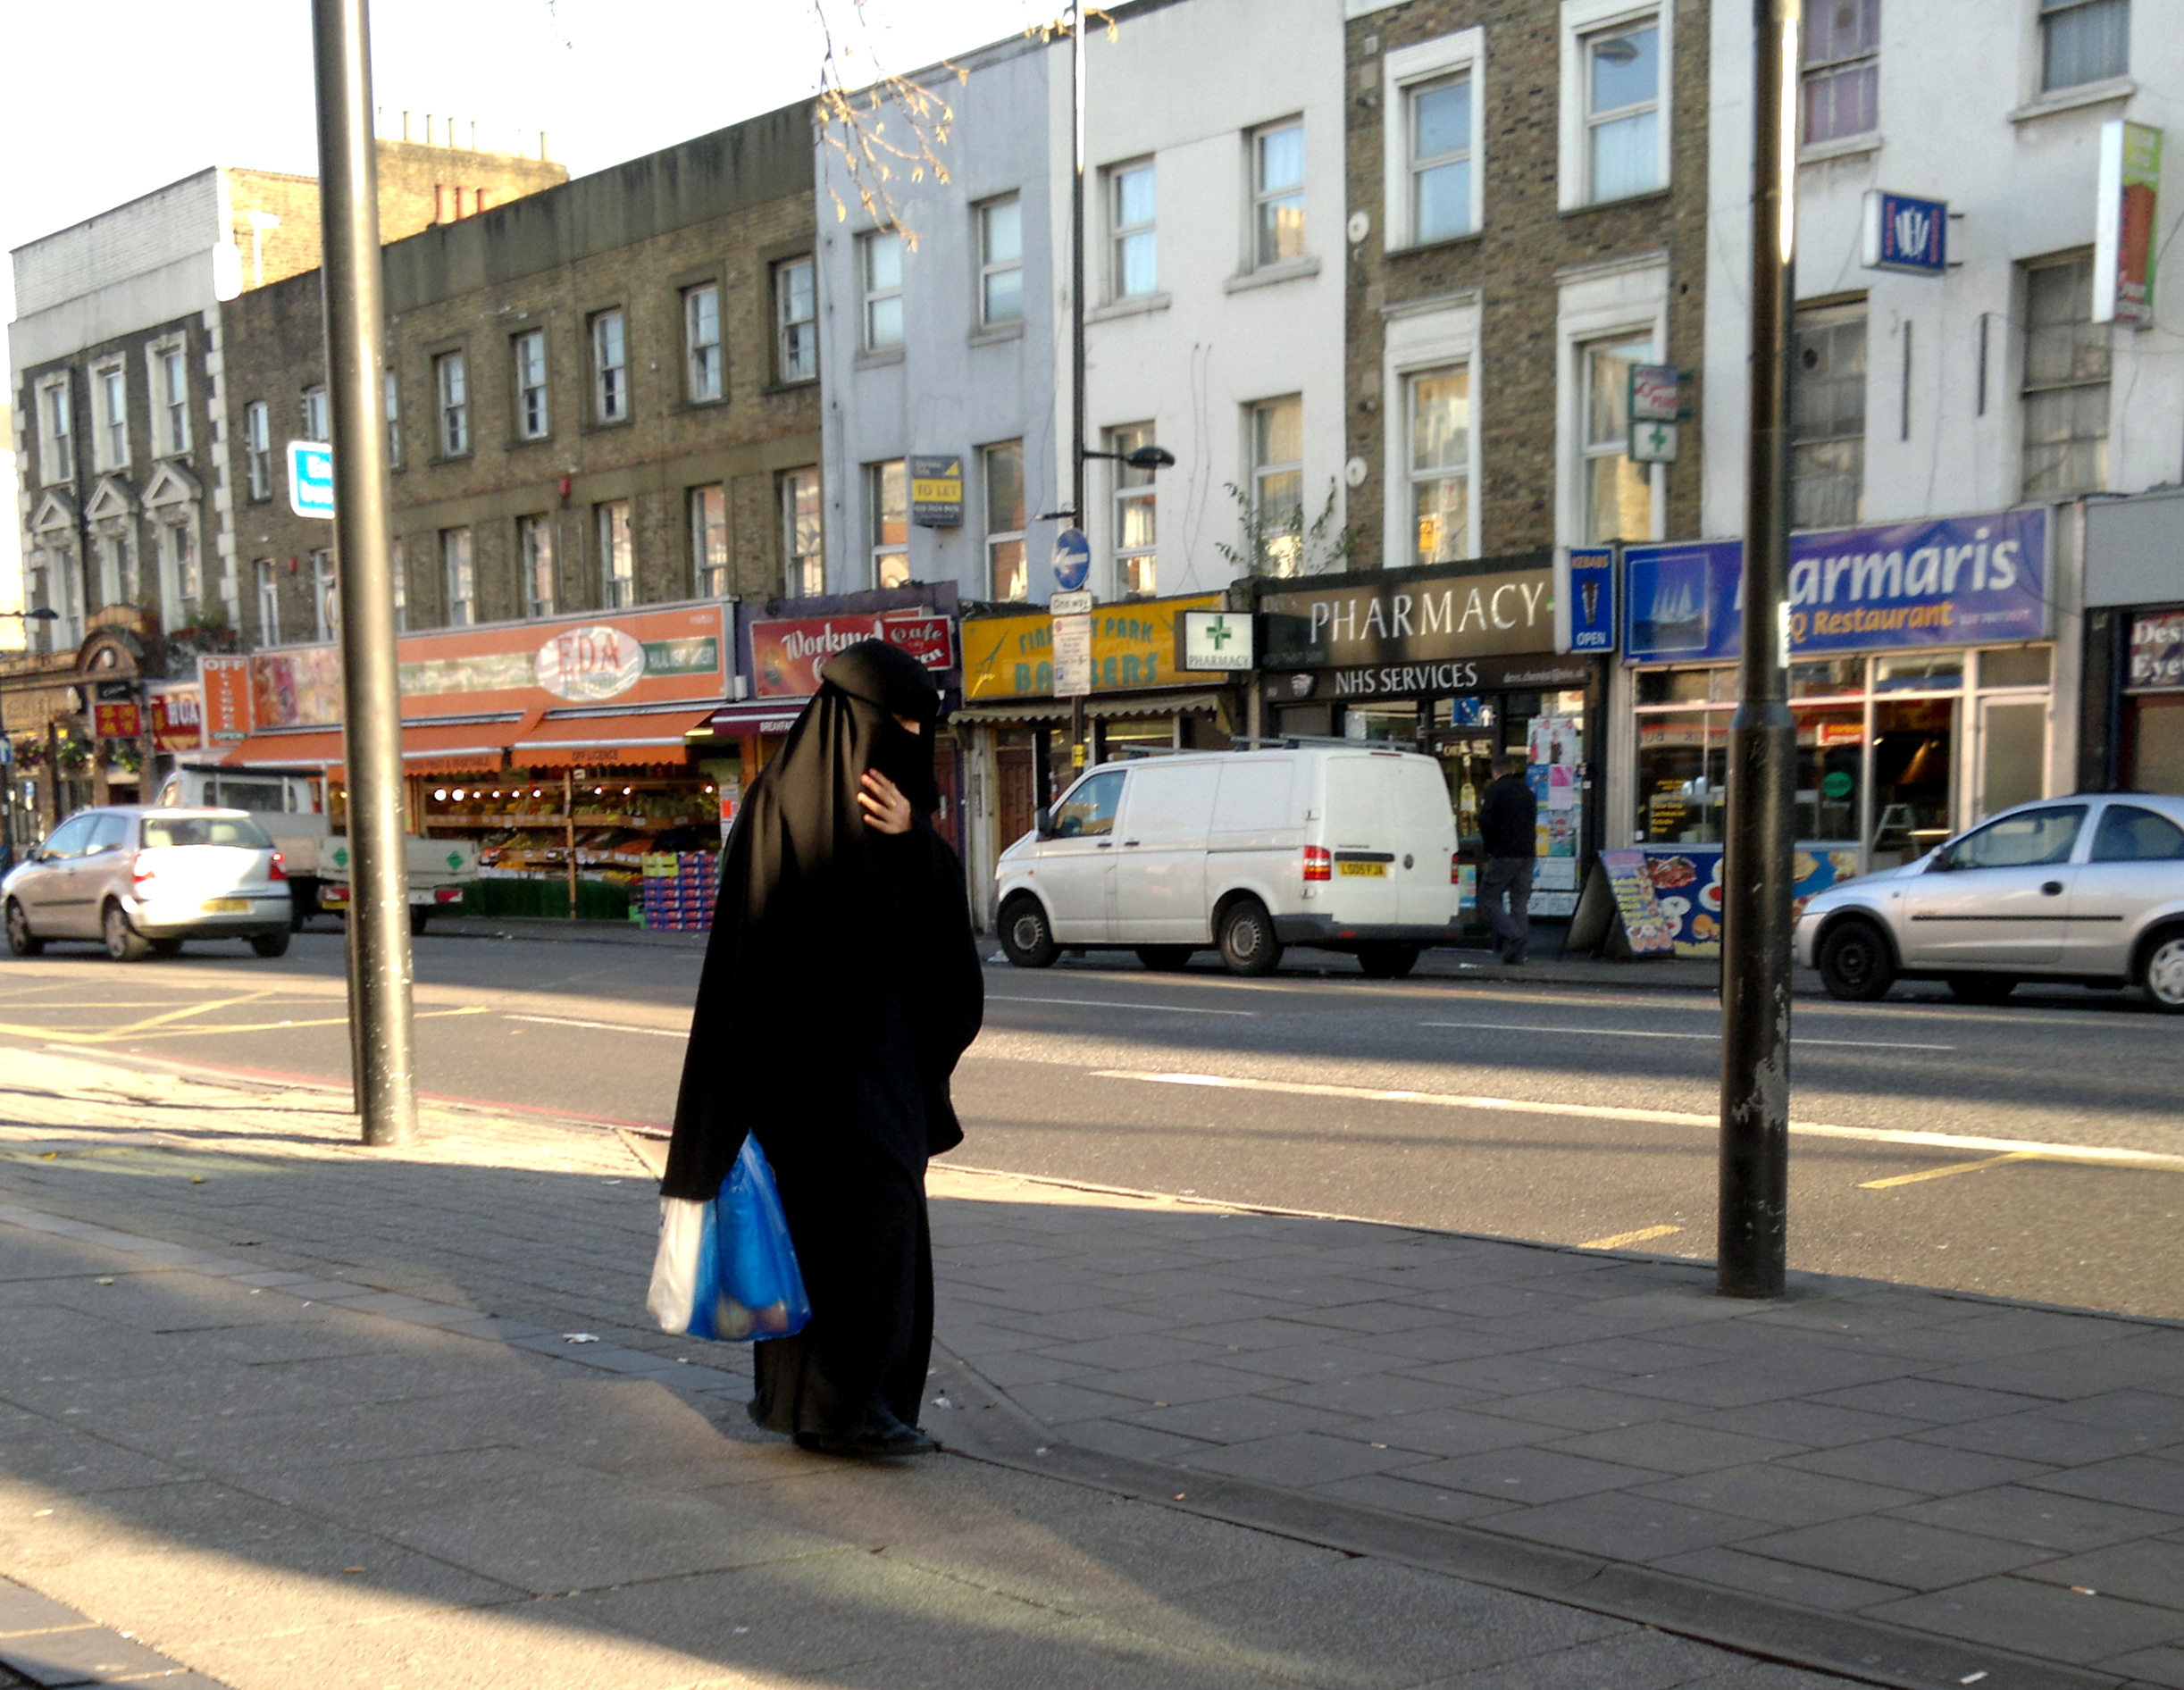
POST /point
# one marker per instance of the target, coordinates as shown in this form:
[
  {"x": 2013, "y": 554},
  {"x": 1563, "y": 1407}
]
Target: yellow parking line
[
  {"x": 192, "y": 1009},
  {"x": 115, "y": 1036},
  {"x": 1943, "y": 1173},
  {"x": 1623, "y": 1241}
]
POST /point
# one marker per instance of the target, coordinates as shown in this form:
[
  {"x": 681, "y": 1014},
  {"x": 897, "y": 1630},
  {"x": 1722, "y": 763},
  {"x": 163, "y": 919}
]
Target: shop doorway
[{"x": 2013, "y": 753}]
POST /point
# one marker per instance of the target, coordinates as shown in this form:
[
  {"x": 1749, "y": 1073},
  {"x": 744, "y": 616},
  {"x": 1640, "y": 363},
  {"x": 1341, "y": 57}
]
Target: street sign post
[{"x": 310, "y": 479}]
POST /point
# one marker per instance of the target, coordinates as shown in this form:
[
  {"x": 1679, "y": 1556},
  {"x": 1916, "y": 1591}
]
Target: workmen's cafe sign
[{"x": 1405, "y": 636}]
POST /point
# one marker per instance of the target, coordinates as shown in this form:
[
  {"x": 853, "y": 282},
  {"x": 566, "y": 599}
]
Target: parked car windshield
[
  {"x": 205, "y": 829},
  {"x": 2034, "y": 838}
]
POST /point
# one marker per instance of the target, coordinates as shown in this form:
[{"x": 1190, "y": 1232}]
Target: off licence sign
[{"x": 1655, "y": 393}]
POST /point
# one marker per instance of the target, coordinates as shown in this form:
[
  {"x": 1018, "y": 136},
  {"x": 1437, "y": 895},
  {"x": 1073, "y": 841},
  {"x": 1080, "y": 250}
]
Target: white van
[{"x": 1346, "y": 848}]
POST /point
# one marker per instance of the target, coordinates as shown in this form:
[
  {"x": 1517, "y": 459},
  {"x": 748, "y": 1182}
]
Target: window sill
[
  {"x": 602, "y": 428},
  {"x": 998, "y": 334},
  {"x": 1642, "y": 197},
  {"x": 1267, "y": 275},
  {"x": 1842, "y": 146},
  {"x": 523, "y": 441},
  {"x": 877, "y": 360},
  {"x": 1444, "y": 242},
  {"x": 438, "y": 458},
  {"x": 713, "y": 404},
  {"x": 2114, "y": 87},
  {"x": 797, "y": 386},
  {"x": 1134, "y": 305}
]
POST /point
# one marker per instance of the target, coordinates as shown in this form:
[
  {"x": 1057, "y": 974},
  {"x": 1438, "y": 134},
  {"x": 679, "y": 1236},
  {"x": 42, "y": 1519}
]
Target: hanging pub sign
[
  {"x": 1960, "y": 581},
  {"x": 2125, "y": 249},
  {"x": 1905, "y": 234},
  {"x": 936, "y": 492}
]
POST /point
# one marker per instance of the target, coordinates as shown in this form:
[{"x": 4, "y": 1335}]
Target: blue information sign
[
  {"x": 1072, "y": 559},
  {"x": 1905, "y": 233},
  {"x": 1592, "y": 599},
  {"x": 311, "y": 477}
]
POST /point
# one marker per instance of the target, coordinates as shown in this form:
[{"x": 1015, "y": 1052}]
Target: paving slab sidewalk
[{"x": 278, "y": 1412}]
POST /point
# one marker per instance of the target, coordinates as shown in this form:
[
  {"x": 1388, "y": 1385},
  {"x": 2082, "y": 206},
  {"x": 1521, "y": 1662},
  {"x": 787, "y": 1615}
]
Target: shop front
[
  {"x": 1921, "y": 677},
  {"x": 562, "y": 748},
  {"x": 1457, "y": 663},
  {"x": 1019, "y": 736},
  {"x": 2134, "y": 646}
]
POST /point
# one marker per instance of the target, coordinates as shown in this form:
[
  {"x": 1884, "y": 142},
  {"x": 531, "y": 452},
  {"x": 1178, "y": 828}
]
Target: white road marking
[
  {"x": 1108, "y": 1003},
  {"x": 599, "y": 1026},
  {"x": 1635, "y": 1032},
  {"x": 2105, "y": 1155}
]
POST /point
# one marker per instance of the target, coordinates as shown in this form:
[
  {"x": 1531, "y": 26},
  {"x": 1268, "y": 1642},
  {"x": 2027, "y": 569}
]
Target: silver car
[
  {"x": 2088, "y": 888},
  {"x": 142, "y": 880}
]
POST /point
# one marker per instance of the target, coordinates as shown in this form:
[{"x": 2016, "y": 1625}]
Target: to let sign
[
  {"x": 936, "y": 492},
  {"x": 310, "y": 479}
]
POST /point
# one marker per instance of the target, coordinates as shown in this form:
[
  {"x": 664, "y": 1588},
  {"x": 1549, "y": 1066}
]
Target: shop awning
[
  {"x": 627, "y": 739},
  {"x": 765, "y": 715},
  {"x": 1113, "y": 706},
  {"x": 456, "y": 748},
  {"x": 302, "y": 748}
]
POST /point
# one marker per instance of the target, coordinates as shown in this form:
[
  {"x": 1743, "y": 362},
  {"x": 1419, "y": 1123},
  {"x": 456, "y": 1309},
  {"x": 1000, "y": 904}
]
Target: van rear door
[
  {"x": 1427, "y": 843},
  {"x": 1363, "y": 830},
  {"x": 1161, "y": 858}
]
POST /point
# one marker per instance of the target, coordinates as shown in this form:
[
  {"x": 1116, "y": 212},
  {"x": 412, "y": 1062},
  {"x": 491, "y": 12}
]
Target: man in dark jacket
[{"x": 1507, "y": 817}]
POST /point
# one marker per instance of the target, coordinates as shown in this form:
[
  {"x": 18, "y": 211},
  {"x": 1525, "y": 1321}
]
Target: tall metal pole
[
  {"x": 372, "y": 700},
  {"x": 1077, "y": 758},
  {"x": 1755, "y": 878}
]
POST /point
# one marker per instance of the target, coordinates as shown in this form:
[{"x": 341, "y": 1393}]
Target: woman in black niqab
[{"x": 842, "y": 984}]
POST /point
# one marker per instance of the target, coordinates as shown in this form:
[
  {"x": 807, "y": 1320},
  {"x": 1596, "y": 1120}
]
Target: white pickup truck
[{"x": 289, "y": 805}]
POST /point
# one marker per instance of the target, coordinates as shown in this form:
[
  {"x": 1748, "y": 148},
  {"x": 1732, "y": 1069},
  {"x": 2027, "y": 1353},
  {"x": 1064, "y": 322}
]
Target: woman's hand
[{"x": 886, "y": 810}]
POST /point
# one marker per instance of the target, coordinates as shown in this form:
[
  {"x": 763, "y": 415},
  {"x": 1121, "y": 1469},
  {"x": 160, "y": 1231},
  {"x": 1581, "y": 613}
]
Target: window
[
  {"x": 1438, "y": 405},
  {"x": 528, "y": 353},
  {"x": 879, "y": 264},
  {"x": 1007, "y": 573},
  {"x": 314, "y": 418},
  {"x": 709, "y": 540},
  {"x": 1137, "y": 563},
  {"x": 393, "y": 391},
  {"x": 617, "y": 554},
  {"x": 1132, "y": 204},
  {"x": 2066, "y": 382},
  {"x": 462, "y": 580},
  {"x": 2083, "y": 41},
  {"x": 1278, "y": 194},
  {"x": 1622, "y": 110},
  {"x": 1439, "y": 119},
  {"x": 57, "y": 455},
  {"x": 1617, "y": 495},
  {"x": 452, "y": 382},
  {"x": 701, "y": 342},
  {"x": 1089, "y": 811},
  {"x": 1277, "y": 484},
  {"x": 1841, "y": 70},
  {"x": 1828, "y": 419},
  {"x": 269, "y": 602},
  {"x": 111, "y": 383},
  {"x": 534, "y": 552},
  {"x": 2129, "y": 834},
  {"x": 171, "y": 365},
  {"x": 2031, "y": 838},
  {"x": 258, "y": 449},
  {"x": 796, "y": 321},
  {"x": 887, "y": 505},
  {"x": 398, "y": 566},
  {"x": 323, "y": 611},
  {"x": 182, "y": 581},
  {"x": 803, "y": 549},
  {"x": 610, "y": 369},
  {"x": 1000, "y": 261}
]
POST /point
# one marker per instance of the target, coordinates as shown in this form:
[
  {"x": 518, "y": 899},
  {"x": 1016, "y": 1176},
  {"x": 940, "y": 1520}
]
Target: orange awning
[
  {"x": 624, "y": 741},
  {"x": 308, "y": 749}
]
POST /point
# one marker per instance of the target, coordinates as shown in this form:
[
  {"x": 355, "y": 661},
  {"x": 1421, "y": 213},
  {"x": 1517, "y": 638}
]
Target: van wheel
[
  {"x": 1980, "y": 988},
  {"x": 1248, "y": 944},
  {"x": 1855, "y": 964},
  {"x": 1165, "y": 958},
  {"x": 418, "y": 916},
  {"x": 124, "y": 943},
  {"x": 20, "y": 941},
  {"x": 2162, "y": 973},
  {"x": 1387, "y": 962},
  {"x": 1025, "y": 938},
  {"x": 273, "y": 944},
  {"x": 166, "y": 946}
]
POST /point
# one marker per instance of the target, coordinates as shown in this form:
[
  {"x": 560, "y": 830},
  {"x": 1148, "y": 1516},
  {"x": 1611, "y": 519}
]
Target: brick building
[{"x": 591, "y": 403}]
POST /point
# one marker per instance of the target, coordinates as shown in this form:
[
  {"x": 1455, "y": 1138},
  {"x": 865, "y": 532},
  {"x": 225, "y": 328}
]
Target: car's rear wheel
[
  {"x": 1248, "y": 944},
  {"x": 2162, "y": 973},
  {"x": 1387, "y": 962},
  {"x": 1026, "y": 939},
  {"x": 1980, "y": 988},
  {"x": 124, "y": 943},
  {"x": 273, "y": 944},
  {"x": 1855, "y": 964},
  {"x": 20, "y": 941},
  {"x": 1165, "y": 958}
]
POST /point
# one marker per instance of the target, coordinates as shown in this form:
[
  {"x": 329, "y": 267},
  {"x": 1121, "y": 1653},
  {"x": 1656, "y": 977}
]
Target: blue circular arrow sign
[{"x": 1072, "y": 559}]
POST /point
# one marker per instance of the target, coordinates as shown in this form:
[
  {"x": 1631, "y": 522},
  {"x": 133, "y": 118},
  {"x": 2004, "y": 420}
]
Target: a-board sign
[{"x": 1649, "y": 930}]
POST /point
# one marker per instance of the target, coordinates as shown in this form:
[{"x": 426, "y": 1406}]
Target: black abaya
[{"x": 841, "y": 984}]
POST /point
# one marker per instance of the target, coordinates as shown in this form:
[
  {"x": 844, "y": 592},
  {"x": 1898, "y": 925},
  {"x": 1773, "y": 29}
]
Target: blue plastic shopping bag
[{"x": 726, "y": 1269}]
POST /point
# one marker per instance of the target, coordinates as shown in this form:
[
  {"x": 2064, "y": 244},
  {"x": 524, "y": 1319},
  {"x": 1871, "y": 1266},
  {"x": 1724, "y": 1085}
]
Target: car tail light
[
  {"x": 140, "y": 871},
  {"x": 1318, "y": 863},
  {"x": 335, "y": 894},
  {"x": 278, "y": 870},
  {"x": 1455, "y": 868},
  {"x": 448, "y": 895}
]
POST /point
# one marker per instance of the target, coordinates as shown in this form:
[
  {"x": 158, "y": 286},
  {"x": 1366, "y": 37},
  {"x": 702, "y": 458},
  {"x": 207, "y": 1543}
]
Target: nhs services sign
[{"x": 1906, "y": 234}]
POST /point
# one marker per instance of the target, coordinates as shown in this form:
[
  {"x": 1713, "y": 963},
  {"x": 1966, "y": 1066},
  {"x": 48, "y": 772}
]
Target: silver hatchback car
[
  {"x": 142, "y": 880},
  {"x": 2088, "y": 888}
]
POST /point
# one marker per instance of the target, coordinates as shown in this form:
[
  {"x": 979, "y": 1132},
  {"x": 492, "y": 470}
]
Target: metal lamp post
[{"x": 7, "y": 792}]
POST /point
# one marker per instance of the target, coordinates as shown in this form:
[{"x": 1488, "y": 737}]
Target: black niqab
[{"x": 841, "y": 984}]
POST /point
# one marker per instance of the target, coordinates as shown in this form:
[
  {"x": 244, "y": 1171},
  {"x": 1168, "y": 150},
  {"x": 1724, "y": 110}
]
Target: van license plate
[
  {"x": 1376, "y": 870},
  {"x": 226, "y": 906}
]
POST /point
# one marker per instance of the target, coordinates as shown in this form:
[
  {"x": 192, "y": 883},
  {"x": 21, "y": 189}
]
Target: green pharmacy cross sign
[{"x": 1215, "y": 639}]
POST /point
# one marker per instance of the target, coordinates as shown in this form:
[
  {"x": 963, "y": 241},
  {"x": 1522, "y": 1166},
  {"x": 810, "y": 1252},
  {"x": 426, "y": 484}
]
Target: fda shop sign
[{"x": 1906, "y": 234}]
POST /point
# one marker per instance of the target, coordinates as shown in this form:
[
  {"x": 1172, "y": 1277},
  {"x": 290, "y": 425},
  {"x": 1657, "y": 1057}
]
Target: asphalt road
[{"x": 2034, "y": 1149}]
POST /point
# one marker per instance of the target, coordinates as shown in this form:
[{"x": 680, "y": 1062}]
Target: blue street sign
[
  {"x": 1906, "y": 234},
  {"x": 1072, "y": 559},
  {"x": 1590, "y": 599},
  {"x": 311, "y": 477}
]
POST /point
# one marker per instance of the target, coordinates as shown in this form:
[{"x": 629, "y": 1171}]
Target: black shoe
[{"x": 881, "y": 1435}]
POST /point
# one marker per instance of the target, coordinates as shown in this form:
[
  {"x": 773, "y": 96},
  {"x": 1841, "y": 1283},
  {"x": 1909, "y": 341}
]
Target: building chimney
[{"x": 406, "y": 133}]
